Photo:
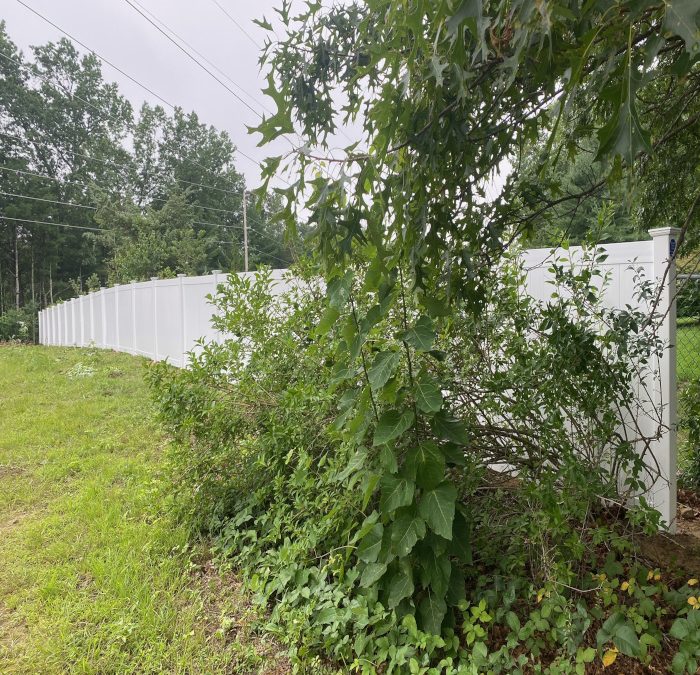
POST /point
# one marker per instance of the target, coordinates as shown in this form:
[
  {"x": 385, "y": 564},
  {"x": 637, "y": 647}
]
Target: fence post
[
  {"x": 92, "y": 316},
  {"x": 116, "y": 317},
  {"x": 665, "y": 240},
  {"x": 154, "y": 284},
  {"x": 216, "y": 274},
  {"x": 133, "y": 317},
  {"x": 81, "y": 307},
  {"x": 183, "y": 323},
  {"x": 103, "y": 291}
]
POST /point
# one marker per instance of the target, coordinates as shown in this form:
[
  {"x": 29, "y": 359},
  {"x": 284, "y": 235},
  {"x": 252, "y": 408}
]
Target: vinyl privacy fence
[{"x": 165, "y": 318}]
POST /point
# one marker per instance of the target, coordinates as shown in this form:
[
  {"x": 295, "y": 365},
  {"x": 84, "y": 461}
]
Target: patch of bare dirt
[
  {"x": 7, "y": 470},
  {"x": 680, "y": 550}
]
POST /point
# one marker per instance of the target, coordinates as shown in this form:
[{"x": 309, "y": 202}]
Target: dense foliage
[
  {"x": 372, "y": 515},
  {"x": 161, "y": 190},
  {"x": 406, "y": 465}
]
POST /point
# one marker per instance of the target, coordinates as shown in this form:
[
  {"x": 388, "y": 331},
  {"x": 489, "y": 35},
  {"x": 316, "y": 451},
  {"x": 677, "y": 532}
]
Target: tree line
[{"x": 94, "y": 192}]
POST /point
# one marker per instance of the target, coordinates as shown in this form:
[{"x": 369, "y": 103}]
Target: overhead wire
[
  {"x": 83, "y": 185},
  {"x": 238, "y": 25},
  {"x": 94, "y": 53},
  {"x": 127, "y": 167},
  {"x": 143, "y": 12},
  {"x": 202, "y": 56},
  {"x": 192, "y": 58},
  {"x": 52, "y": 201},
  {"x": 132, "y": 79},
  {"x": 94, "y": 208},
  {"x": 43, "y": 222}
]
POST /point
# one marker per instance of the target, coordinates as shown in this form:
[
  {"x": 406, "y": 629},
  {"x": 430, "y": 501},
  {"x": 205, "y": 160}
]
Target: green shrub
[
  {"x": 19, "y": 325},
  {"x": 359, "y": 499}
]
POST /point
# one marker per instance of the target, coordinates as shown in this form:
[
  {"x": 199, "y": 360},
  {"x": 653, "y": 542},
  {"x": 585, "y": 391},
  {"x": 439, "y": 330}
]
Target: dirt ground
[{"x": 682, "y": 549}]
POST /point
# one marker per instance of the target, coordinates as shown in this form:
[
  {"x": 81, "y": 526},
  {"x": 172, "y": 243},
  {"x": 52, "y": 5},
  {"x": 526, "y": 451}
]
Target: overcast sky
[{"x": 117, "y": 32}]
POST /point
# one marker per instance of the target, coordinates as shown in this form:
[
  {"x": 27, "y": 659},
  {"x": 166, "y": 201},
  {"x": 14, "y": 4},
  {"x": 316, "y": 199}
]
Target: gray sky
[{"x": 118, "y": 33}]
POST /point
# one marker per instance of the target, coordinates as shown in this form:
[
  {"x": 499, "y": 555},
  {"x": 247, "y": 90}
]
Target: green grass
[
  {"x": 688, "y": 352},
  {"x": 95, "y": 577}
]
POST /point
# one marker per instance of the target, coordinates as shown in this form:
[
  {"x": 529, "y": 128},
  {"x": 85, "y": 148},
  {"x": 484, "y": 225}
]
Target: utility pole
[{"x": 245, "y": 232}]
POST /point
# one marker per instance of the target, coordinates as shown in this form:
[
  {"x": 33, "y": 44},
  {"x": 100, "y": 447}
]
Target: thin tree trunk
[
  {"x": 33, "y": 285},
  {"x": 17, "y": 288}
]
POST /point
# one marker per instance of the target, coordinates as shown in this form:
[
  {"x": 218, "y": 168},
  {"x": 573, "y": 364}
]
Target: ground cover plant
[
  {"x": 94, "y": 575},
  {"x": 340, "y": 445}
]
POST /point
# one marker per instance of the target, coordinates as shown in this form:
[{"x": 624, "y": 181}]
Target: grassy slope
[
  {"x": 94, "y": 577},
  {"x": 688, "y": 352}
]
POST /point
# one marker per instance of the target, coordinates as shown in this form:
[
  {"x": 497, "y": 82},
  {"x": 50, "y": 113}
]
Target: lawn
[
  {"x": 95, "y": 576},
  {"x": 688, "y": 352}
]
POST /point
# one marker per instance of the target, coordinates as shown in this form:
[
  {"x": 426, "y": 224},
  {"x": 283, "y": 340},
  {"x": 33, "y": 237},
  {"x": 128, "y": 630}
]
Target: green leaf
[
  {"x": 421, "y": 336},
  {"x": 395, "y": 493},
  {"x": 513, "y": 621},
  {"x": 356, "y": 462},
  {"x": 432, "y": 611},
  {"x": 427, "y": 465},
  {"x": 330, "y": 316},
  {"x": 623, "y": 135},
  {"x": 447, "y": 428},
  {"x": 400, "y": 586},
  {"x": 371, "y": 544},
  {"x": 680, "y": 629},
  {"x": 437, "y": 67},
  {"x": 392, "y": 424},
  {"x": 437, "y": 507},
  {"x": 468, "y": 9},
  {"x": 626, "y": 640},
  {"x": 383, "y": 368},
  {"x": 428, "y": 396},
  {"x": 372, "y": 573},
  {"x": 327, "y": 615},
  {"x": 436, "y": 571},
  {"x": 681, "y": 19},
  {"x": 406, "y": 530},
  {"x": 456, "y": 591},
  {"x": 461, "y": 541},
  {"x": 339, "y": 290}
]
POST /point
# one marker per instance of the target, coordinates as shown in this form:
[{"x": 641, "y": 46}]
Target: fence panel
[{"x": 163, "y": 319}]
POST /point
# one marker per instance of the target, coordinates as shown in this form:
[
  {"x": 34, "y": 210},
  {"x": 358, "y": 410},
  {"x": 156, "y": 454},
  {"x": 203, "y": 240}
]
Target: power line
[
  {"x": 52, "y": 201},
  {"x": 129, "y": 168},
  {"x": 93, "y": 208},
  {"x": 192, "y": 58},
  {"x": 84, "y": 46},
  {"x": 238, "y": 25},
  {"x": 202, "y": 56},
  {"x": 133, "y": 4},
  {"x": 43, "y": 222},
  {"x": 102, "y": 183},
  {"x": 135, "y": 81}
]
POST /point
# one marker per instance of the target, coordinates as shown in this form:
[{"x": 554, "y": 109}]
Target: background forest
[{"x": 94, "y": 192}]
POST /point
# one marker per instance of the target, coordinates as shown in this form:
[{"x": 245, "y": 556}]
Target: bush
[
  {"x": 380, "y": 517},
  {"x": 19, "y": 325}
]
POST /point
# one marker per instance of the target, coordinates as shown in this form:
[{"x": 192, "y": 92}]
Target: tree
[
  {"x": 70, "y": 142},
  {"x": 445, "y": 93}
]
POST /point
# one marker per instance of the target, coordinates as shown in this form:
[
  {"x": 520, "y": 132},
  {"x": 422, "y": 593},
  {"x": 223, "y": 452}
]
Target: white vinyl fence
[{"x": 163, "y": 319}]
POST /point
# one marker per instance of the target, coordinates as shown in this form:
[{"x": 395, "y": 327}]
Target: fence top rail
[
  {"x": 630, "y": 252},
  {"x": 276, "y": 275}
]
